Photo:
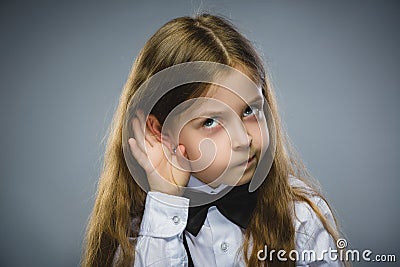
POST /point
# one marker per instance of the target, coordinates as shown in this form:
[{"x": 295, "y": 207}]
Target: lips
[
  {"x": 251, "y": 159},
  {"x": 248, "y": 161}
]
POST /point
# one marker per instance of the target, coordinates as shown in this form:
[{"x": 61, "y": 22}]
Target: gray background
[{"x": 334, "y": 64}]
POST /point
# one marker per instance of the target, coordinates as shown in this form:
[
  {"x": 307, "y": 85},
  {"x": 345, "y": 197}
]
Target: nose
[{"x": 241, "y": 140}]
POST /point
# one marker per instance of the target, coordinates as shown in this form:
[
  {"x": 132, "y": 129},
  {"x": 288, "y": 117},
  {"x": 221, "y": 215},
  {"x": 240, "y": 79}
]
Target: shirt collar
[{"x": 197, "y": 185}]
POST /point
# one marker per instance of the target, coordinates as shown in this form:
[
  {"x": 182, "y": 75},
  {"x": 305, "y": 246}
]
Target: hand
[{"x": 148, "y": 151}]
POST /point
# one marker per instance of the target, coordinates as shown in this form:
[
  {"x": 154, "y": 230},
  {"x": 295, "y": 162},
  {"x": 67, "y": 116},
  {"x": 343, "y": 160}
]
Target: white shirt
[{"x": 160, "y": 240}]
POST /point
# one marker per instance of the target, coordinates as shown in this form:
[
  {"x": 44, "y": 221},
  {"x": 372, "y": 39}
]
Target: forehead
[
  {"x": 219, "y": 100},
  {"x": 232, "y": 97},
  {"x": 236, "y": 81},
  {"x": 230, "y": 91}
]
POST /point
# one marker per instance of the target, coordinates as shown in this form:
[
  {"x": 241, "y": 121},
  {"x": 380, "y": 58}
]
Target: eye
[
  {"x": 251, "y": 110},
  {"x": 210, "y": 123}
]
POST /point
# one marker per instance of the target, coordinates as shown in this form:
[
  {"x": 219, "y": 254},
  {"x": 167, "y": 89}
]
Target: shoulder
[
  {"x": 310, "y": 232},
  {"x": 303, "y": 212},
  {"x": 306, "y": 219},
  {"x": 308, "y": 224}
]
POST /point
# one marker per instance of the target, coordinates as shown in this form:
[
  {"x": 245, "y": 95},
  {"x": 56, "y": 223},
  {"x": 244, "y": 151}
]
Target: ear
[{"x": 154, "y": 126}]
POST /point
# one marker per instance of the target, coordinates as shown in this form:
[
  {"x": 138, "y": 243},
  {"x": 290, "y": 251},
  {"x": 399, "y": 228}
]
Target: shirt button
[
  {"x": 224, "y": 246},
  {"x": 176, "y": 219}
]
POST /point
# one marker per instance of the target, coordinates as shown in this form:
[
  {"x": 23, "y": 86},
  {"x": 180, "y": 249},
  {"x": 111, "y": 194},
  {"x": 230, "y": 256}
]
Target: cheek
[
  {"x": 215, "y": 169},
  {"x": 264, "y": 139},
  {"x": 188, "y": 138},
  {"x": 218, "y": 158},
  {"x": 197, "y": 143},
  {"x": 223, "y": 152},
  {"x": 192, "y": 147},
  {"x": 259, "y": 133},
  {"x": 222, "y": 142}
]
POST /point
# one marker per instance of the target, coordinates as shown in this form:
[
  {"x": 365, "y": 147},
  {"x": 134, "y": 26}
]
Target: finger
[
  {"x": 138, "y": 128},
  {"x": 152, "y": 139},
  {"x": 165, "y": 140},
  {"x": 182, "y": 162},
  {"x": 138, "y": 134},
  {"x": 182, "y": 150},
  {"x": 140, "y": 157},
  {"x": 179, "y": 174}
]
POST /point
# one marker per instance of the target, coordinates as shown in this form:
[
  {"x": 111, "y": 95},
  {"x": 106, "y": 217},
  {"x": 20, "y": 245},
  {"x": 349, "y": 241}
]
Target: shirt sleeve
[
  {"x": 314, "y": 245},
  {"x": 160, "y": 240}
]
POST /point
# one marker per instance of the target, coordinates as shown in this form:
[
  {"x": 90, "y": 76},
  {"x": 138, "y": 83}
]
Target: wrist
[
  {"x": 164, "y": 215},
  {"x": 168, "y": 191}
]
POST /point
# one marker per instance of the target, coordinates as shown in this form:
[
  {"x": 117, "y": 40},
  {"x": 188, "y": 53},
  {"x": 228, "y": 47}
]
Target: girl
[{"x": 182, "y": 183}]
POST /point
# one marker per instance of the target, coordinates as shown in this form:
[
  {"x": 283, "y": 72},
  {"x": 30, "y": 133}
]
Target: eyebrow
[
  {"x": 256, "y": 99},
  {"x": 216, "y": 113}
]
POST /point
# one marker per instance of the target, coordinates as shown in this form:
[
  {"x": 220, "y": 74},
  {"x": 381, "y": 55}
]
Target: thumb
[
  {"x": 182, "y": 158},
  {"x": 182, "y": 150}
]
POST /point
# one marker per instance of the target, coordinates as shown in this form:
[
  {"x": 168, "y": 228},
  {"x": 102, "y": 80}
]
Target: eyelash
[
  {"x": 208, "y": 120},
  {"x": 254, "y": 109}
]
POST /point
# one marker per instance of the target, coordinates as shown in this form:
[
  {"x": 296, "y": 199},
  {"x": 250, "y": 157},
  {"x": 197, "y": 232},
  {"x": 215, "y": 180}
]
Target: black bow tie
[{"x": 237, "y": 205}]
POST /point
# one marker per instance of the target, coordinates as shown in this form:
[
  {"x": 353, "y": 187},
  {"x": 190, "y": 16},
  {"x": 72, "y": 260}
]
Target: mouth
[{"x": 249, "y": 161}]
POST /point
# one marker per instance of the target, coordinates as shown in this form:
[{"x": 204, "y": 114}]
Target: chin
[
  {"x": 243, "y": 180},
  {"x": 230, "y": 178}
]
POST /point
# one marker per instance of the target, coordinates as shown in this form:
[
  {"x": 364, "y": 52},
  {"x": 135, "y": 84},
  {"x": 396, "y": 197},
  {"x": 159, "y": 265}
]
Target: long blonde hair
[{"x": 119, "y": 205}]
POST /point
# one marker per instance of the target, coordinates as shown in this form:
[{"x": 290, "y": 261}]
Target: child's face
[{"x": 237, "y": 130}]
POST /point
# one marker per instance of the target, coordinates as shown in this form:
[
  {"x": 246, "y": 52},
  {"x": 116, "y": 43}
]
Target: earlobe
[{"x": 154, "y": 126}]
